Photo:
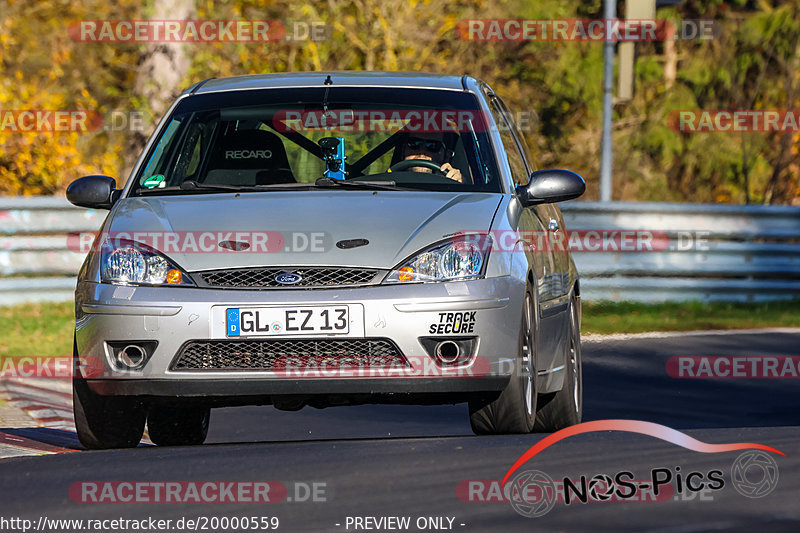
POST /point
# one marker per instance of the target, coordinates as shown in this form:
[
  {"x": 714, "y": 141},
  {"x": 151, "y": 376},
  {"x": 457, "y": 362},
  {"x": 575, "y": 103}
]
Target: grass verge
[
  {"x": 628, "y": 317},
  {"x": 37, "y": 330}
]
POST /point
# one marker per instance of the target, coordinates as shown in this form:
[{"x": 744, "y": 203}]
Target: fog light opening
[
  {"x": 448, "y": 352},
  {"x": 131, "y": 356}
]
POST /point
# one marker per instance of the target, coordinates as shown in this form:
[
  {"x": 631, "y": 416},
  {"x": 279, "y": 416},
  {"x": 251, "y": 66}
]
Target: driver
[{"x": 430, "y": 146}]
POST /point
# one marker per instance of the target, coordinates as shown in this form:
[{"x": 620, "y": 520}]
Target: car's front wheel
[
  {"x": 565, "y": 407},
  {"x": 169, "y": 425},
  {"x": 514, "y": 410},
  {"x": 104, "y": 422}
]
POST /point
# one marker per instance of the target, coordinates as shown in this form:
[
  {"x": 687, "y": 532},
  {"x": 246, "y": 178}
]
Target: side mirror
[
  {"x": 550, "y": 186},
  {"x": 93, "y": 191}
]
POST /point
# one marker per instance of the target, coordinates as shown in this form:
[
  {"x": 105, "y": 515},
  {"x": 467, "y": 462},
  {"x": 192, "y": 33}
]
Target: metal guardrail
[
  {"x": 35, "y": 263},
  {"x": 751, "y": 253},
  {"x": 748, "y": 253}
]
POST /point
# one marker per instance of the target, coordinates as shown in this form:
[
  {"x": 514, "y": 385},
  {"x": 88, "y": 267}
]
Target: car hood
[{"x": 301, "y": 228}]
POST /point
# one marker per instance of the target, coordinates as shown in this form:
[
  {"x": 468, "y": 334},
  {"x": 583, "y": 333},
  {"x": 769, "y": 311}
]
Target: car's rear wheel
[
  {"x": 170, "y": 425},
  {"x": 514, "y": 410},
  {"x": 104, "y": 422},
  {"x": 565, "y": 407}
]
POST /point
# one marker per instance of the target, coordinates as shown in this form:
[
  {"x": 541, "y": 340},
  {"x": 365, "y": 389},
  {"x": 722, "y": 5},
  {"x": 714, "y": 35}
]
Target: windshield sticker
[{"x": 156, "y": 180}]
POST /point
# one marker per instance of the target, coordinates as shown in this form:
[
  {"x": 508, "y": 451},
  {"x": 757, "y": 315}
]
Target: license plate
[{"x": 283, "y": 321}]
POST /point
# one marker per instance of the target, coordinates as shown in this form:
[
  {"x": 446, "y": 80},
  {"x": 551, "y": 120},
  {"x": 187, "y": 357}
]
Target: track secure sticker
[{"x": 461, "y": 322}]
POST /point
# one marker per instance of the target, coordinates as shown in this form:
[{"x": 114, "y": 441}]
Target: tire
[
  {"x": 514, "y": 410},
  {"x": 104, "y": 422},
  {"x": 170, "y": 425},
  {"x": 565, "y": 407}
]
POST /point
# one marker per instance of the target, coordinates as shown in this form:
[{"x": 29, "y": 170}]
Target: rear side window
[
  {"x": 516, "y": 161},
  {"x": 520, "y": 136}
]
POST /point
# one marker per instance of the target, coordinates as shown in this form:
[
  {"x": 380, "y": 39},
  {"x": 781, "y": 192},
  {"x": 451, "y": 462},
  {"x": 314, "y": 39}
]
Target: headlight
[
  {"x": 459, "y": 258},
  {"x": 126, "y": 262}
]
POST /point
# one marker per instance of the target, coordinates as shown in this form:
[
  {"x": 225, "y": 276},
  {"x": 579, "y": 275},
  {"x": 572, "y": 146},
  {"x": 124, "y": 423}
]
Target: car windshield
[{"x": 279, "y": 139}]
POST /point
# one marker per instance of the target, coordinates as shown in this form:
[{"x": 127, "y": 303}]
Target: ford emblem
[{"x": 287, "y": 278}]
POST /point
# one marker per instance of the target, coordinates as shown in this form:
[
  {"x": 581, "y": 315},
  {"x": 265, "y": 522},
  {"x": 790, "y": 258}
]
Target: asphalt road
[{"x": 381, "y": 461}]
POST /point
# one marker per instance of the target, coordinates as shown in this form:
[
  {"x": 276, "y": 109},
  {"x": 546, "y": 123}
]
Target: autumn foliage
[{"x": 752, "y": 64}]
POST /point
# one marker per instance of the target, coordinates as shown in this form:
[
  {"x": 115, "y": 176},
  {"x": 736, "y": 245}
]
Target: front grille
[
  {"x": 279, "y": 354},
  {"x": 311, "y": 277}
]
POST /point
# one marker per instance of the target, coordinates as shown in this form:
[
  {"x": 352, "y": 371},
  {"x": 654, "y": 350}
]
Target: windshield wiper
[
  {"x": 192, "y": 185},
  {"x": 321, "y": 183},
  {"x": 358, "y": 184}
]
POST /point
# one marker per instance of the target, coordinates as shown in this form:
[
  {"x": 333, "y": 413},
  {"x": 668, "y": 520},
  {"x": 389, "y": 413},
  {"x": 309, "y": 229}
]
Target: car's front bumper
[{"x": 401, "y": 313}]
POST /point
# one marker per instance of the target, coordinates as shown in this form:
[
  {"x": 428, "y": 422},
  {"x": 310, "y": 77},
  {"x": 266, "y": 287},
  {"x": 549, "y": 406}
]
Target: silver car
[{"x": 328, "y": 239}]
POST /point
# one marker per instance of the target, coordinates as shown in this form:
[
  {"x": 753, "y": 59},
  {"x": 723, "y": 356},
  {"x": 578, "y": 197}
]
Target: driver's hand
[{"x": 452, "y": 173}]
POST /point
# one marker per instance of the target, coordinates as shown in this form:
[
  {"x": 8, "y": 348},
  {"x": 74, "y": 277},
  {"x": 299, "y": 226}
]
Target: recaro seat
[{"x": 249, "y": 157}]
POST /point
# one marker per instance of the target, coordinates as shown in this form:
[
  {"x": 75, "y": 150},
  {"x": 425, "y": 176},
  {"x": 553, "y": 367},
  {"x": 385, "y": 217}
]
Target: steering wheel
[{"x": 410, "y": 163}]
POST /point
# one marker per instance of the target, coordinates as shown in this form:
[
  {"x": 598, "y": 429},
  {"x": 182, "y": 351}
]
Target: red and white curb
[
  {"x": 47, "y": 401},
  {"x": 36, "y": 417}
]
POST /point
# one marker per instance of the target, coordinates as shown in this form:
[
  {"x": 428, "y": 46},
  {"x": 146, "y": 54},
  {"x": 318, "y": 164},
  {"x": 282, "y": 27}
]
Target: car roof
[{"x": 338, "y": 78}]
